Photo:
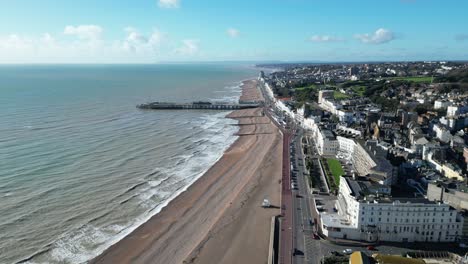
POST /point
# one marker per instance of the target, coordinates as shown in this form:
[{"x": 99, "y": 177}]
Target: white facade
[
  {"x": 390, "y": 219},
  {"x": 442, "y": 133},
  {"x": 330, "y": 105},
  {"x": 346, "y": 145},
  {"x": 345, "y": 116},
  {"x": 365, "y": 163},
  {"x": 456, "y": 110},
  {"x": 441, "y": 104},
  {"x": 326, "y": 142},
  {"x": 310, "y": 122}
]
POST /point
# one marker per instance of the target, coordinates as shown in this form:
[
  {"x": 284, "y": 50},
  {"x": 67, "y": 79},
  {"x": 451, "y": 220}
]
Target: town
[{"x": 378, "y": 159}]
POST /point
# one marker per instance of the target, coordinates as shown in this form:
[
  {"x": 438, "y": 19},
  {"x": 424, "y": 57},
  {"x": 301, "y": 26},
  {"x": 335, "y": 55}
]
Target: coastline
[{"x": 191, "y": 227}]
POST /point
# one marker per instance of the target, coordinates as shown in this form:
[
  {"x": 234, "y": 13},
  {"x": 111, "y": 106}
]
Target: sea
[{"x": 81, "y": 167}]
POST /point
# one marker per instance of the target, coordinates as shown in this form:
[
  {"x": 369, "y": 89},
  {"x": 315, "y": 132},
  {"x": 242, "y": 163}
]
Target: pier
[{"x": 197, "y": 105}]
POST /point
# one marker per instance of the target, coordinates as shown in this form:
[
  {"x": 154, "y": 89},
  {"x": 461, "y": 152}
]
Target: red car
[{"x": 370, "y": 248}]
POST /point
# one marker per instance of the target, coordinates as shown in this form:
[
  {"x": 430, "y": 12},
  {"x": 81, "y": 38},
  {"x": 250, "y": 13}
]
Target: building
[
  {"x": 442, "y": 133},
  {"x": 325, "y": 94},
  {"x": 455, "y": 110},
  {"x": 407, "y": 117},
  {"x": 370, "y": 160},
  {"x": 367, "y": 212},
  {"x": 452, "y": 193},
  {"x": 326, "y": 142},
  {"x": 441, "y": 104},
  {"x": 345, "y": 116}
]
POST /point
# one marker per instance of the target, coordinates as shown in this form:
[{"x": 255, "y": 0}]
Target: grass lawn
[
  {"x": 312, "y": 86},
  {"x": 336, "y": 170},
  {"x": 338, "y": 96},
  {"x": 359, "y": 90},
  {"x": 417, "y": 79}
]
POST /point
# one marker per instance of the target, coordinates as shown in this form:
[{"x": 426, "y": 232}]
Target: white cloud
[
  {"x": 189, "y": 47},
  {"x": 169, "y": 3},
  {"x": 87, "y": 47},
  {"x": 89, "y": 32},
  {"x": 137, "y": 42},
  {"x": 380, "y": 36},
  {"x": 325, "y": 38},
  {"x": 233, "y": 33}
]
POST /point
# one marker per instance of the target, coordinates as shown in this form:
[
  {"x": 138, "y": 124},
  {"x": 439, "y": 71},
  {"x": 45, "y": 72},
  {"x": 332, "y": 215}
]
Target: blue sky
[{"x": 151, "y": 31}]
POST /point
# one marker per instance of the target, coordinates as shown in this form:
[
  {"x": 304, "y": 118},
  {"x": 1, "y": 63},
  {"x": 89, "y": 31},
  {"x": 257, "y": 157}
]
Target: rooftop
[{"x": 328, "y": 134}]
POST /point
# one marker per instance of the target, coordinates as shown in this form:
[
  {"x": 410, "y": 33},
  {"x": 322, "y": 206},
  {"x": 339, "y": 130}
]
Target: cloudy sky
[{"x": 151, "y": 31}]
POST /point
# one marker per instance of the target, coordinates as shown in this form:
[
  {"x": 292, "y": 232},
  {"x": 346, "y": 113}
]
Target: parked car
[
  {"x": 316, "y": 236},
  {"x": 347, "y": 251},
  {"x": 370, "y": 248}
]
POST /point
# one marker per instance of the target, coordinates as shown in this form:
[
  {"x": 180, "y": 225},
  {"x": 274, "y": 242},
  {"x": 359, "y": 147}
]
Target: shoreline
[{"x": 179, "y": 228}]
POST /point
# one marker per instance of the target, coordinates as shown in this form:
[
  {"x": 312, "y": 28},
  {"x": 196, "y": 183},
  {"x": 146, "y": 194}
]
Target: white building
[
  {"x": 367, "y": 212},
  {"x": 441, "y": 104},
  {"x": 326, "y": 142},
  {"x": 310, "y": 122},
  {"x": 454, "y": 110},
  {"x": 442, "y": 133},
  {"x": 368, "y": 160},
  {"x": 345, "y": 116},
  {"x": 348, "y": 130},
  {"x": 331, "y": 105},
  {"x": 325, "y": 94}
]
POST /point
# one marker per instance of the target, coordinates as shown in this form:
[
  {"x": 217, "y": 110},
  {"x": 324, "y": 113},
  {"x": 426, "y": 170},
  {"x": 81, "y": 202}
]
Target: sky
[{"x": 155, "y": 31}]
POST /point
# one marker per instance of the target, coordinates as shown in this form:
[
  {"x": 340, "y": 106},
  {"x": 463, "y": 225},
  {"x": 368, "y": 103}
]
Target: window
[
  {"x": 433, "y": 220},
  {"x": 380, "y": 219}
]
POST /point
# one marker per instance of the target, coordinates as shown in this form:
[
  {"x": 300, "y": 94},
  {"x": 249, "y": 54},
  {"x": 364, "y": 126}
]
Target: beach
[{"x": 219, "y": 219}]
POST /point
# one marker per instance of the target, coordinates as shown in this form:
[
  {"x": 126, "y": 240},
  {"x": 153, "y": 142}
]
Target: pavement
[{"x": 286, "y": 221}]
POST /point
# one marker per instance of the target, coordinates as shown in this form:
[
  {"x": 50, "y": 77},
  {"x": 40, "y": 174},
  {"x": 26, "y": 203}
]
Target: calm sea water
[{"x": 81, "y": 167}]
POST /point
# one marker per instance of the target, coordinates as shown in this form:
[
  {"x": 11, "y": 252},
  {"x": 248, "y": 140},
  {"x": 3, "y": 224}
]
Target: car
[
  {"x": 347, "y": 251},
  {"x": 370, "y": 247},
  {"x": 316, "y": 236},
  {"x": 336, "y": 253}
]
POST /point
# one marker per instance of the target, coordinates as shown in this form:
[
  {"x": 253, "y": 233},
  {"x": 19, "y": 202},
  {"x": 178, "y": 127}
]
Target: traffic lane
[{"x": 304, "y": 231}]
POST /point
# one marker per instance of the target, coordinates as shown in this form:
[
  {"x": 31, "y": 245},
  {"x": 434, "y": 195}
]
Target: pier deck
[{"x": 196, "y": 105}]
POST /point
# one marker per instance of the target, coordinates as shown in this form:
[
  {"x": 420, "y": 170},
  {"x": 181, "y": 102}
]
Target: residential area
[{"x": 383, "y": 151}]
